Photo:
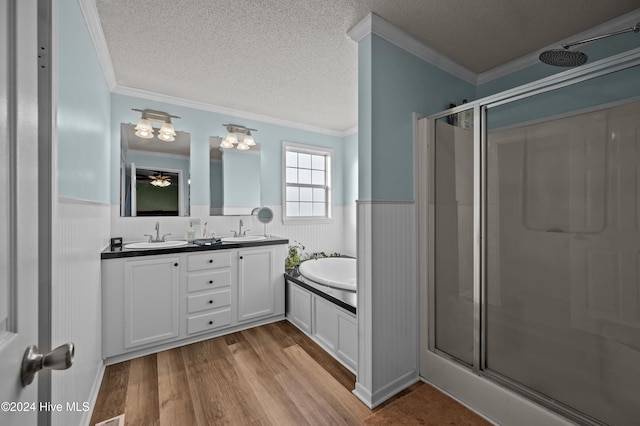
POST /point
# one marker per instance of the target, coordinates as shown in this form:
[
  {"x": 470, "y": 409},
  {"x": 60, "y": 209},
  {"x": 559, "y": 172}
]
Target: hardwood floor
[{"x": 268, "y": 375}]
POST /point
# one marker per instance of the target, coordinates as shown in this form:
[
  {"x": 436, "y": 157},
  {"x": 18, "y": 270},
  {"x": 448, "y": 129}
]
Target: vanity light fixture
[
  {"x": 144, "y": 128},
  {"x": 238, "y": 136}
]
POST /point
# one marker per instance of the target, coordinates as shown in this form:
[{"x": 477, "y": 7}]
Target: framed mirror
[
  {"x": 154, "y": 174},
  {"x": 235, "y": 180}
]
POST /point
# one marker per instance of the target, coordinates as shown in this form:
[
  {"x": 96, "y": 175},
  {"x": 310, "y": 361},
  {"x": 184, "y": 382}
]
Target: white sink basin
[
  {"x": 148, "y": 245},
  {"x": 244, "y": 239}
]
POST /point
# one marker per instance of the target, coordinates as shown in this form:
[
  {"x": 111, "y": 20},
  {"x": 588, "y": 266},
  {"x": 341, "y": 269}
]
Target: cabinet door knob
[
  {"x": 210, "y": 301},
  {"x": 175, "y": 264},
  {"x": 210, "y": 281},
  {"x": 210, "y": 322},
  {"x": 210, "y": 260},
  {"x": 241, "y": 257}
]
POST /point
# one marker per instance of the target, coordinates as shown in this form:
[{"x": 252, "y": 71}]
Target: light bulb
[
  {"x": 249, "y": 140},
  {"x": 144, "y": 129},
  {"x": 232, "y": 138},
  {"x": 166, "y": 137},
  {"x": 243, "y": 146},
  {"x": 226, "y": 144},
  {"x": 167, "y": 133}
]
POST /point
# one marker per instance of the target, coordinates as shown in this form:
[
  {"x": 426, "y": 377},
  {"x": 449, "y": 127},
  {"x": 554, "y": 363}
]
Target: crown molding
[
  {"x": 349, "y": 132},
  {"x": 174, "y": 100},
  {"x": 361, "y": 29},
  {"x": 621, "y": 22},
  {"x": 374, "y": 24},
  {"x": 92, "y": 19}
]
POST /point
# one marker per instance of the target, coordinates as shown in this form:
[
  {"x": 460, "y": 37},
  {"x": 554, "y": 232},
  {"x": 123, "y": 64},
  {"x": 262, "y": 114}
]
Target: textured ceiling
[{"x": 292, "y": 59}]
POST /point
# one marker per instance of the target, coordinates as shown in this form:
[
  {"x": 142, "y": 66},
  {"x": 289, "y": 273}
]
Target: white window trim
[{"x": 310, "y": 149}]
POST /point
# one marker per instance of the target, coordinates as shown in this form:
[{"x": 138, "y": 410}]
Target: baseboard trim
[
  {"x": 376, "y": 398},
  {"x": 93, "y": 395},
  {"x": 392, "y": 388},
  {"x": 363, "y": 395},
  {"x": 182, "y": 342}
]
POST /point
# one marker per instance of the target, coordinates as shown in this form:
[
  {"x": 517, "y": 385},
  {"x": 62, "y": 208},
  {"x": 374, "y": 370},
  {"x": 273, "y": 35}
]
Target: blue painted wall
[
  {"x": 607, "y": 89},
  {"x": 365, "y": 72},
  {"x": 204, "y": 124},
  {"x": 351, "y": 167},
  {"x": 241, "y": 179},
  {"x": 393, "y": 84},
  {"x": 83, "y": 116}
]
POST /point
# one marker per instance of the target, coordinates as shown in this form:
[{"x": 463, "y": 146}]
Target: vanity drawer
[
  {"x": 197, "y": 262},
  {"x": 208, "y": 280},
  {"x": 211, "y": 300},
  {"x": 211, "y": 321}
]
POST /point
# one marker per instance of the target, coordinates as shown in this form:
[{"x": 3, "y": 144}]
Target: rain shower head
[
  {"x": 563, "y": 58},
  {"x": 573, "y": 58}
]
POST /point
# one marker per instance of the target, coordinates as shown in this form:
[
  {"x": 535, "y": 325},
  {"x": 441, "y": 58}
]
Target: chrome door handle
[{"x": 60, "y": 358}]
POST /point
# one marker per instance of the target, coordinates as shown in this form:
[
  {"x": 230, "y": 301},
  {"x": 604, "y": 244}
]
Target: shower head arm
[{"x": 635, "y": 29}]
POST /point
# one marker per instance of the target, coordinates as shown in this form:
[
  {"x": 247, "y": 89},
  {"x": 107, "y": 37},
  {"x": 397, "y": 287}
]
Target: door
[
  {"x": 152, "y": 290},
  {"x": 18, "y": 207},
  {"x": 255, "y": 284},
  {"x": 605, "y": 274}
]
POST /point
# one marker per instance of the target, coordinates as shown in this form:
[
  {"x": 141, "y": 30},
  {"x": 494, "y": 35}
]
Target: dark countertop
[
  {"x": 116, "y": 253},
  {"x": 345, "y": 299}
]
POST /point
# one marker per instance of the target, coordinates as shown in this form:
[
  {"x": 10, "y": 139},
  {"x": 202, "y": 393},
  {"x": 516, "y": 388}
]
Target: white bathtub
[{"x": 336, "y": 272}]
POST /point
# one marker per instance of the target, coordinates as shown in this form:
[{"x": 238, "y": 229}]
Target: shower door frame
[{"x": 427, "y": 275}]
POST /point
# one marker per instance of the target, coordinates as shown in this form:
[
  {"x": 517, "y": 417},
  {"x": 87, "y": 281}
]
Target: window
[{"x": 307, "y": 183}]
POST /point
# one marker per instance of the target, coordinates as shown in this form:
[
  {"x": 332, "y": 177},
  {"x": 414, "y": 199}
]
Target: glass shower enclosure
[{"x": 534, "y": 242}]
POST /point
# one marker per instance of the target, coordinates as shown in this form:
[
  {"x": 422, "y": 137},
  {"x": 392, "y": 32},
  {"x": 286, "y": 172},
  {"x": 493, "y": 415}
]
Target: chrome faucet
[
  {"x": 157, "y": 239},
  {"x": 239, "y": 232}
]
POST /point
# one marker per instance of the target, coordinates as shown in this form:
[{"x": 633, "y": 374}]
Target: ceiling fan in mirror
[{"x": 161, "y": 181}]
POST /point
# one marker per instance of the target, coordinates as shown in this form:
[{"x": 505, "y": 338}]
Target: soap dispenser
[{"x": 191, "y": 232}]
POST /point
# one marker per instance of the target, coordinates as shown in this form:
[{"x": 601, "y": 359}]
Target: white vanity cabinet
[
  {"x": 151, "y": 301},
  {"x": 208, "y": 291},
  {"x": 140, "y": 306},
  {"x": 155, "y": 302},
  {"x": 260, "y": 287}
]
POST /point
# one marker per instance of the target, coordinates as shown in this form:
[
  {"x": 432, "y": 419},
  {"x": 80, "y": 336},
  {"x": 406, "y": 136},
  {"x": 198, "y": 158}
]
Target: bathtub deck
[{"x": 345, "y": 299}]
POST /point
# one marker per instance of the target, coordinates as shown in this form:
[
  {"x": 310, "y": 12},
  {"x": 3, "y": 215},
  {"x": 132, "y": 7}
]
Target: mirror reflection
[
  {"x": 234, "y": 179},
  {"x": 154, "y": 174}
]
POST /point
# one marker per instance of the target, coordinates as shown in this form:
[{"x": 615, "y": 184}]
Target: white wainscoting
[
  {"x": 339, "y": 235},
  {"x": 387, "y": 300},
  {"x": 80, "y": 232}
]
